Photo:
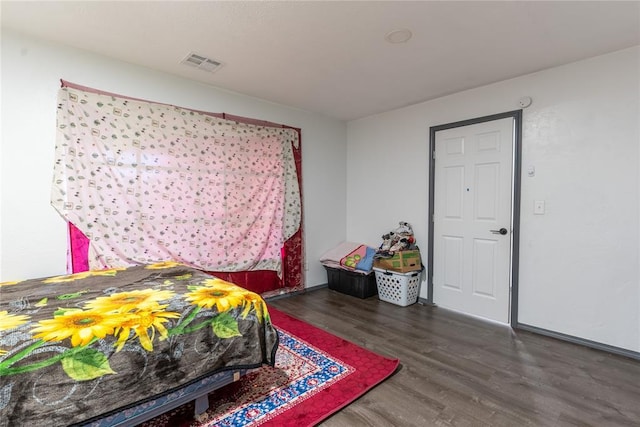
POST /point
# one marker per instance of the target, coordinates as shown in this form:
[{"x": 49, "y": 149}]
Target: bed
[{"x": 117, "y": 347}]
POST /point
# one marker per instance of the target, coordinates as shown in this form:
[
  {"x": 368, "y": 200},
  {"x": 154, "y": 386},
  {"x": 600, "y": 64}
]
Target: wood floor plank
[{"x": 461, "y": 371}]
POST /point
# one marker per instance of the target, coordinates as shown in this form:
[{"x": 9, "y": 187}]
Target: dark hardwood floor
[{"x": 461, "y": 371}]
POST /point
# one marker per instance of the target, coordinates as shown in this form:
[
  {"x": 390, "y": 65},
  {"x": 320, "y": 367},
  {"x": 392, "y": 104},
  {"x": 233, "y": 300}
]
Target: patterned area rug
[{"x": 316, "y": 374}]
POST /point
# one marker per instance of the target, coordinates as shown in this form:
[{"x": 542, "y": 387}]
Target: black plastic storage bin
[{"x": 350, "y": 283}]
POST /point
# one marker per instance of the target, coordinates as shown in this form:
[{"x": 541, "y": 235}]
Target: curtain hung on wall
[{"x": 146, "y": 182}]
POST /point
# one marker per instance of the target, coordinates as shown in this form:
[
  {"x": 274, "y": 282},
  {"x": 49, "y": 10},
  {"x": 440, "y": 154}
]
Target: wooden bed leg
[
  {"x": 202, "y": 404},
  {"x": 202, "y": 401}
]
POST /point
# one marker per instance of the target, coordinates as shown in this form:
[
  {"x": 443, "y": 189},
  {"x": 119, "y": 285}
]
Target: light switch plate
[{"x": 538, "y": 207}]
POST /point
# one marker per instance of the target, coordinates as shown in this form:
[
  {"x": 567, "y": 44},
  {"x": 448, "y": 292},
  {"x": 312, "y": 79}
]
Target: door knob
[{"x": 502, "y": 231}]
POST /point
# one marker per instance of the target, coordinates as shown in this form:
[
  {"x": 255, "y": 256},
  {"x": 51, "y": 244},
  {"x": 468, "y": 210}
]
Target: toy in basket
[{"x": 398, "y": 288}]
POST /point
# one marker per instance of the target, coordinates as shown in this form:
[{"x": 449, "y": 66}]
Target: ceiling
[{"x": 331, "y": 57}]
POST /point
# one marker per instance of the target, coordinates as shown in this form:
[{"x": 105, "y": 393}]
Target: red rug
[{"x": 316, "y": 375}]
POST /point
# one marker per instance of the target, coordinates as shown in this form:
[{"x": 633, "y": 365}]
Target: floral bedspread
[{"x": 75, "y": 347}]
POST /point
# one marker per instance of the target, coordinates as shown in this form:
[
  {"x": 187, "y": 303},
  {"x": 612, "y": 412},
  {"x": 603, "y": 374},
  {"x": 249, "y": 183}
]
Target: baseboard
[
  {"x": 581, "y": 341},
  {"x": 314, "y": 288},
  {"x": 290, "y": 294},
  {"x": 564, "y": 337}
]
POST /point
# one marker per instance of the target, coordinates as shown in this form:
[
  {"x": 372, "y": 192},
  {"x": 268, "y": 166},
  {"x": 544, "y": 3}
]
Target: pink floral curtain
[{"x": 145, "y": 182}]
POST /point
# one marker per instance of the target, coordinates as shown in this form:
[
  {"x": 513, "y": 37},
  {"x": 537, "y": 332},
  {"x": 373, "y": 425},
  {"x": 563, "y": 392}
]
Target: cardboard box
[{"x": 401, "y": 262}]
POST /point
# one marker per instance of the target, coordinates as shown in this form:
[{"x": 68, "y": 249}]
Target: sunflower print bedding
[{"x": 75, "y": 348}]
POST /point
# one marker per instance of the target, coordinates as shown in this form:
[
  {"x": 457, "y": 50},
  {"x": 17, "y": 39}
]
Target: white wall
[
  {"x": 578, "y": 262},
  {"x": 33, "y": 239}
]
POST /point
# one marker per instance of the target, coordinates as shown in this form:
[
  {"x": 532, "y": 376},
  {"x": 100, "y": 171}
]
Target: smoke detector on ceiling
[{"x": 201, "y": 62}]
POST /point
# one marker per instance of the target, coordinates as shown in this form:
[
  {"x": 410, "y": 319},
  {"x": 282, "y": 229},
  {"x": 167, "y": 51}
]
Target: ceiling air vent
[{"x": 201, "y": 62}]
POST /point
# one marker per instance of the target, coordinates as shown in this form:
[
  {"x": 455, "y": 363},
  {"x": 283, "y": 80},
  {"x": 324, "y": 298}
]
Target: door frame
[{"x": 515, "y": 206}]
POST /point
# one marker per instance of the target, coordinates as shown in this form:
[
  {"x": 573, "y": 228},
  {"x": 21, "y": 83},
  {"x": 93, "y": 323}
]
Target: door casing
[{"x": 515, "y": 210}]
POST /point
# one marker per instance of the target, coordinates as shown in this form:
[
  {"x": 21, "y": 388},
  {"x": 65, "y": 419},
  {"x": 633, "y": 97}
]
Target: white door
[{"x": 472, "y": 218}]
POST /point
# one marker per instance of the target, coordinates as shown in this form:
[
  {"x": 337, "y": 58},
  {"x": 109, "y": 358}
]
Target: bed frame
[{"x": 197, "y": 392}]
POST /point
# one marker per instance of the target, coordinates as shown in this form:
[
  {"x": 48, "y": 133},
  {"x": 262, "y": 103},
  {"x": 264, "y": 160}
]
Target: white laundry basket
[{"x": 398, "y": 288}]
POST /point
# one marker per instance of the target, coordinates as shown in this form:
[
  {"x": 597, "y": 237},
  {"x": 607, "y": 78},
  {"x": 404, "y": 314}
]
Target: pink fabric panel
[{"x": 79, "y": 250}]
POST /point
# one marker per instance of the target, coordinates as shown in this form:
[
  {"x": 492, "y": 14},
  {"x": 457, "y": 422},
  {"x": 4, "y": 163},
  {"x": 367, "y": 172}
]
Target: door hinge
[{"x": 433, "y": 154}]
